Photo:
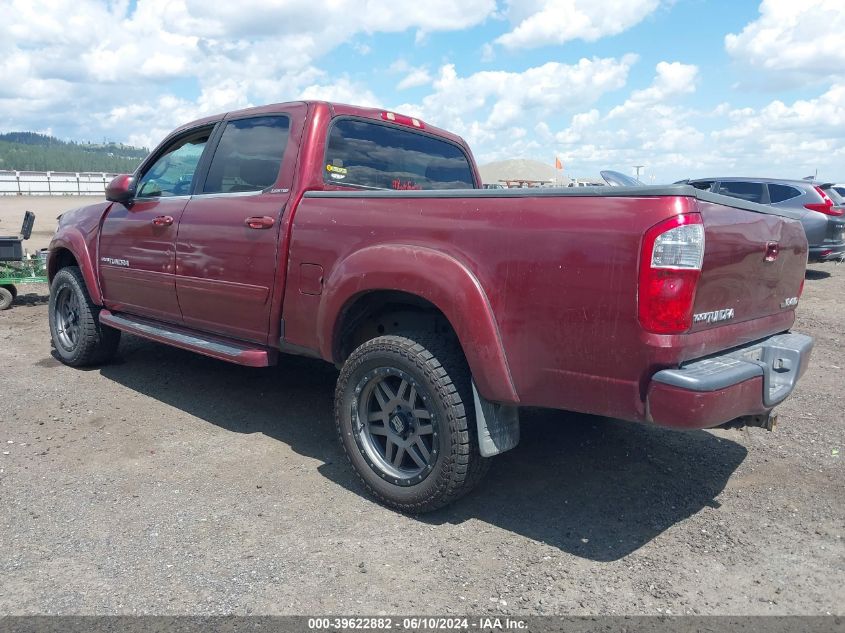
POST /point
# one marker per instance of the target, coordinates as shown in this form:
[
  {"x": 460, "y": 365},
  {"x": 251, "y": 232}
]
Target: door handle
[
  {"x": 260, "y": 222},
  {"x": 162, "y": 220}
]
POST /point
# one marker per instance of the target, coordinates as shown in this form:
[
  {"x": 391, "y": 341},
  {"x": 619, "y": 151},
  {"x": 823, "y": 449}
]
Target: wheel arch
[
  {"x": 374, "y": 313},
  {"x": 412, "y": 280},
  {"x": 71, "y": 250}
]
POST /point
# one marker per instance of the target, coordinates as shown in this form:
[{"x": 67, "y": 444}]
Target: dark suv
[{"x": 820, "y": 206}]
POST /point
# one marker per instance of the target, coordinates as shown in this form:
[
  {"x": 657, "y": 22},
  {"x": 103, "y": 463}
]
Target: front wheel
[
  {"x": 78, "y": 336},
  {"x": 403, "y": 413}
]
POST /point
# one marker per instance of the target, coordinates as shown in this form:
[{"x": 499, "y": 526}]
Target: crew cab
[{"x": 364, "y": 238}]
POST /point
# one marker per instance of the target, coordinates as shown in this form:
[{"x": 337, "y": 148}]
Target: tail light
[
  {"x": 826, "y": 206},
  {"x": 670, "y": 265}
]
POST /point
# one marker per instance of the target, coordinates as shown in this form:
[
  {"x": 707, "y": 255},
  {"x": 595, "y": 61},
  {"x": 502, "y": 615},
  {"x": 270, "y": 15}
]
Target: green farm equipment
[{"x": 18, "y": 267}]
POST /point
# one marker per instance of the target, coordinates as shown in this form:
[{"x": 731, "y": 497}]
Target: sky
[{"x": 685, "y": 88}]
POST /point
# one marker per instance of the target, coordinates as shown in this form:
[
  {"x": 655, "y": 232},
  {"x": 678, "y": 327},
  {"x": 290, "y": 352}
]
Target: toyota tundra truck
[{"x": 364, "y": 238}]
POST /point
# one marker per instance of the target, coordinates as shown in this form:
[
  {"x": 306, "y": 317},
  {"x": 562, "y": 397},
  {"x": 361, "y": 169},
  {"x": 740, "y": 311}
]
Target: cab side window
[
  {"x": 249, "y": 155},
  {"x": 751, "y": 191},
  {"x": 173, "y": 172}
]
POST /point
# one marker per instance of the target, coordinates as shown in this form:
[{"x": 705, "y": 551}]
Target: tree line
[{"x": 29, "y": 151}]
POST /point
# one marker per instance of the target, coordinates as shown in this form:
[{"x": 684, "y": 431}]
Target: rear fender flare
[
  {"x": 72, "y": 240},
  {"x": 436, "y": 277}
]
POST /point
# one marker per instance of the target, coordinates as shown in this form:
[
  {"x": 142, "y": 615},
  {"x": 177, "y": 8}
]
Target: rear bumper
[
  {"x": 826, "y": 252},
  {"x": 749, "y": 380}
]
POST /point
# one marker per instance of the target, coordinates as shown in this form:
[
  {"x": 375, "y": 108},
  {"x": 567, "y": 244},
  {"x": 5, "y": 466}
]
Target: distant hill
[
  {"x": 521, "y": 169},
  {"x": 28, "y": 151}
]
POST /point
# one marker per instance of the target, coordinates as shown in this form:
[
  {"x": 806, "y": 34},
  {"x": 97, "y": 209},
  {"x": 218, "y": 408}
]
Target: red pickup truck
[{"x": 364, "y": 238}]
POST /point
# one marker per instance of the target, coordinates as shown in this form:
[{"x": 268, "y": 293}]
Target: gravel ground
[{"x": 169, "y": 483}]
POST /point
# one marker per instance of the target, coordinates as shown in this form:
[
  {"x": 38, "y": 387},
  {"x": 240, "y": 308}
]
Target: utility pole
[{"x": 638, "y": 168}]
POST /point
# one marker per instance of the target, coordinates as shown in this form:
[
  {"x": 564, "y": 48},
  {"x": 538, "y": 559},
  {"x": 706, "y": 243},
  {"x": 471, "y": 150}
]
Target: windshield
[{"x": 618, "y": 179}]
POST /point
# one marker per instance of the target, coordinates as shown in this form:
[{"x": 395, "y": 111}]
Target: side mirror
[{"x": 121, "y": 189}]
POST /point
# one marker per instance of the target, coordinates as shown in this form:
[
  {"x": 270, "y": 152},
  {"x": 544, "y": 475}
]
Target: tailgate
[{"x": 753, "y": 266}]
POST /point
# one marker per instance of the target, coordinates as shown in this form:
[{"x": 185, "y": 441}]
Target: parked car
[
  {"x": 820, "y": 206},
  {"x": 618, "y": 179},
  {"x": 363, "y": 237},
  {"x": 840, "y": 189}
]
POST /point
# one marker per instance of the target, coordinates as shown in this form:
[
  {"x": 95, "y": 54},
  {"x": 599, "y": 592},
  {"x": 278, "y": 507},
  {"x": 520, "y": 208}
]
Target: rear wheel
[
  {"x": 7, "y": 296},
  {"x": 78, "y": 336},
  {"x": 403, "y": 413}
]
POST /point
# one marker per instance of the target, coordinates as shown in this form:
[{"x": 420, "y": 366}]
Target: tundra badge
[
  {"x": 713, "y": 317},
  {"x": 115, "y": 262}
]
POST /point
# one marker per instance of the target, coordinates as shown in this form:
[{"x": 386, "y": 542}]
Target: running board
[{"x": 209, "y": 345}]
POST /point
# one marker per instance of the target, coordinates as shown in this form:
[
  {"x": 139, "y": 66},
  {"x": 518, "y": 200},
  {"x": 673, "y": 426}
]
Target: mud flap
[{"x": 498, "y": 425}]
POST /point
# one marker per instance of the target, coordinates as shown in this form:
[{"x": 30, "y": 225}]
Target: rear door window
[
  {"x": 376, "y": 156},
  {"x": 782, "y": 193},
  {"x": 751, "y": 191},
  {"x": 248, "y": 155}
]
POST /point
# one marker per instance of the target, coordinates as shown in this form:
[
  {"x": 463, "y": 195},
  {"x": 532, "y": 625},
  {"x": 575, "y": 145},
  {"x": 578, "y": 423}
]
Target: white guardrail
[{"x": 53, "y": 183}]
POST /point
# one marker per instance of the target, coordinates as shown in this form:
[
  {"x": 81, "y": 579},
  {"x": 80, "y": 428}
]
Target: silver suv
[{"x": 821, "y": 207}]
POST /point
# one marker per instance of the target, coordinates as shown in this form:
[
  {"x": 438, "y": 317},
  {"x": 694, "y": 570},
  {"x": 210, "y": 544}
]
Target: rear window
[
  {"x": 751, "y": 191},
  {"x": 780, "y": 193},
  {"x": 376, "y": 156}
]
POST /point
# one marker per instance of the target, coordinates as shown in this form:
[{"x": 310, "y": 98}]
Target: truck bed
[{"x": 559, "y": 268}]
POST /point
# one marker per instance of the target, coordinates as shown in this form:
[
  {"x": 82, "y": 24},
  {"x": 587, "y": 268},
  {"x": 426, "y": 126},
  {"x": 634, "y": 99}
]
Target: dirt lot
[
  {"x": 46, "y": 209},
  {"x": 171, "y": 483}
]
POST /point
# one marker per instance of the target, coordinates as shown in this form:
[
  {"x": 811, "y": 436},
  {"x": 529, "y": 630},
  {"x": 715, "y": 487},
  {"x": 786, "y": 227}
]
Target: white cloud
[
  {"x": 89, "y": 69},
  {"x": 802, "y": 136},
  {"x": 652, "y": 128},
  {"x": 481, "y": 106},
  {"x": 648, "y": 127},
  {"x": 362, "y": 49},
  {"x": 544, "y": 22},
  {"x": 414, "y": 78},
  {"x": 70, "y": 64},
  {"x": 804, "y": 39},
  {"x": 672, "y": 80},
  {"x": 343, "y": 91}
]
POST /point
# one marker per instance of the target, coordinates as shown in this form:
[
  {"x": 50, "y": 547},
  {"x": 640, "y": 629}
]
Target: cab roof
[{"x": 336, "y": 109}]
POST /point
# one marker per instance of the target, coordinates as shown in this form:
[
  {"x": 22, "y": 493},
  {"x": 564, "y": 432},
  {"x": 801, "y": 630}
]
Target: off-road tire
[
  {"x": 440, "y": 368},
  {"x": 96, "y": 343},
  {"x": 7, "y": 297}
]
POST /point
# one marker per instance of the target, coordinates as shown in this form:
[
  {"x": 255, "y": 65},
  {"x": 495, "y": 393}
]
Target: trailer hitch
[{"x": 766, "y": 421}]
